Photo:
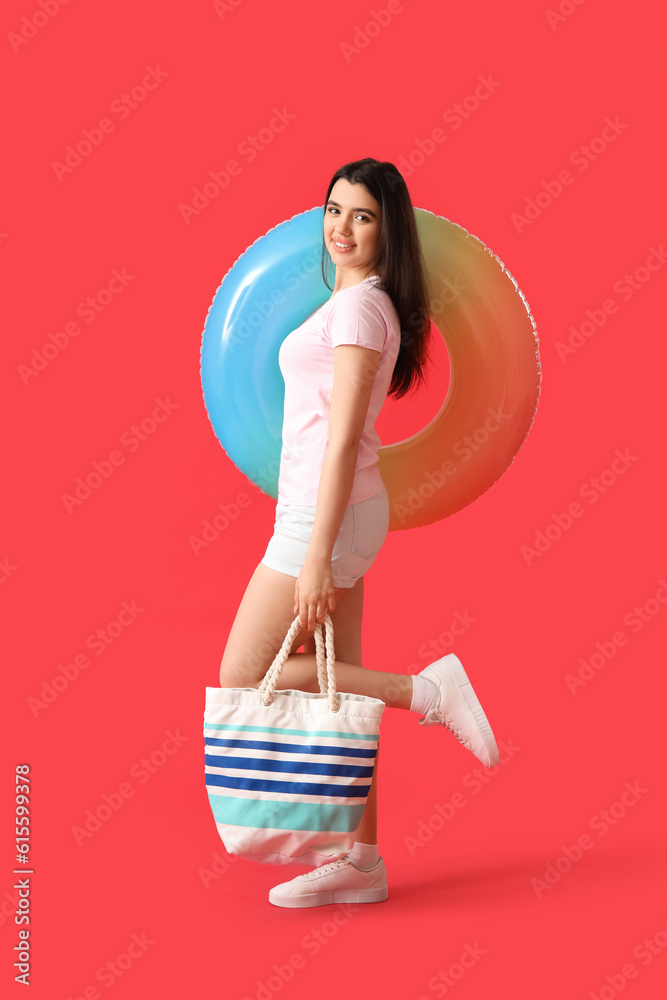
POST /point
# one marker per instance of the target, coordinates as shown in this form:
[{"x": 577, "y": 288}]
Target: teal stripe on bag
[
  {"x": 263, "y": 814},
  {"x": 291, "y": 732}
]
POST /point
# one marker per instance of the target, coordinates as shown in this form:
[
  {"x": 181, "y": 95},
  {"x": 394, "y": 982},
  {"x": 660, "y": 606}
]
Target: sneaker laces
[
  {"x": 330, "y": 866},
  {"x": 433, "y": 718},
  {"x": 449, "y": 723}
]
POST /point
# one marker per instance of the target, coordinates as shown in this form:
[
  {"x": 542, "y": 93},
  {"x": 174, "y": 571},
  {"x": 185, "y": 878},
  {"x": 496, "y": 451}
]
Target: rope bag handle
[{"x": 325, "y": 657}]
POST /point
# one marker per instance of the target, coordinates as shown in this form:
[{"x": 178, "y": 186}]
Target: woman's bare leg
[
  {"x": 300, "y": 671},
  {"x": 260, "y": 626},
  {"x": 259, "y": 629},
  {"x": 367, "y": 831}
]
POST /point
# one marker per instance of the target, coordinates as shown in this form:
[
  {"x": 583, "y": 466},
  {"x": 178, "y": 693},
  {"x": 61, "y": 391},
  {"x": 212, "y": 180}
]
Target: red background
[{"x": 67, "y": 574}]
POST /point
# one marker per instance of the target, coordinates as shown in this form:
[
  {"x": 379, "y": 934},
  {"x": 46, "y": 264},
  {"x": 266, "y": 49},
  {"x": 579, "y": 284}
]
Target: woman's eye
[{"x": 364, "y": 218}]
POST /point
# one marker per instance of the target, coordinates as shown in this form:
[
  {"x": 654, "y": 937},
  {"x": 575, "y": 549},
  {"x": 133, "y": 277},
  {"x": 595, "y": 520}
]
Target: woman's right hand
[{"x": 314, "y": 592}]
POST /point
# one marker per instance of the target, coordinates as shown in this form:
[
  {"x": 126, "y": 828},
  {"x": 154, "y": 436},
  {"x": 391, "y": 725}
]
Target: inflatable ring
[{"x": 488, "y": 330}]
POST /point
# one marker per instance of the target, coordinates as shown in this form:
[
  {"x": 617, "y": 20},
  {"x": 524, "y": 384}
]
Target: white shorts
[{"x": 361, "y": 536}]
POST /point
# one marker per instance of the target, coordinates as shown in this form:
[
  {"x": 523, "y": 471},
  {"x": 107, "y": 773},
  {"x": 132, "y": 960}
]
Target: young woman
[{"x": 367, "y": 341}]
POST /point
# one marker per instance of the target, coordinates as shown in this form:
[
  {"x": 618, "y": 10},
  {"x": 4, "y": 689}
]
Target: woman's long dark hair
[{"x": 400, "y": 264}]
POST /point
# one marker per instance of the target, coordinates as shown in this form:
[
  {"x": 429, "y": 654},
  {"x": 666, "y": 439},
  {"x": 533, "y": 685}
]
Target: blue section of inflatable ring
[{"x": 271, "y": 289}]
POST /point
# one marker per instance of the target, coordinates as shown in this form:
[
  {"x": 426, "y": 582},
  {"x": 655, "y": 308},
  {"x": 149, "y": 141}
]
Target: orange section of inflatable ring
[{"x": 494, "y": 388}]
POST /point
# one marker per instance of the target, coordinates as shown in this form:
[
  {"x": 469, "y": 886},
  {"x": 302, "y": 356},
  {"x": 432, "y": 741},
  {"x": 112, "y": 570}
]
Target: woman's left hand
[{"x": 314, "y": 592}]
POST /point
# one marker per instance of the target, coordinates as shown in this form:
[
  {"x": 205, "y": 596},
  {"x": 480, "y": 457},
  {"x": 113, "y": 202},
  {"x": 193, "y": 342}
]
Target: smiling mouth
[{"x": 342, "y": 246}]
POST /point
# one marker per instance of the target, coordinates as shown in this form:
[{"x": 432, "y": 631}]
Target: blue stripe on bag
[
  {"x": 291, "y": 732},
  {"x": 294, "y": 766},
  {"x": 262, "y": 814},
  {"x": 294, "y": 787},
  {"x": 211, "y": 741}
]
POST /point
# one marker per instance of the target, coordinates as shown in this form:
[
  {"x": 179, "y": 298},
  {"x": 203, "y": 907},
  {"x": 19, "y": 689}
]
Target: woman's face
[{"x": 352, "y": 225}]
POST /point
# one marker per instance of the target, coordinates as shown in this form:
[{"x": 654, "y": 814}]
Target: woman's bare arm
[{"x": 354, "y": 372}]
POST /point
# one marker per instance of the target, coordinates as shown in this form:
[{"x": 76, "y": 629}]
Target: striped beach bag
[{"x": 288, "y": 772}]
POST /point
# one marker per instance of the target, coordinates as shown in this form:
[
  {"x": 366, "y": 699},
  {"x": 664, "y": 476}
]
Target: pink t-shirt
[{"x": 362, "y": 314}]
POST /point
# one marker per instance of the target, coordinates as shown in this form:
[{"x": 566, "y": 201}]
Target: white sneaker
[
  {"x": 337, "y": 881},
  {"x": 459, "y": 710}
]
